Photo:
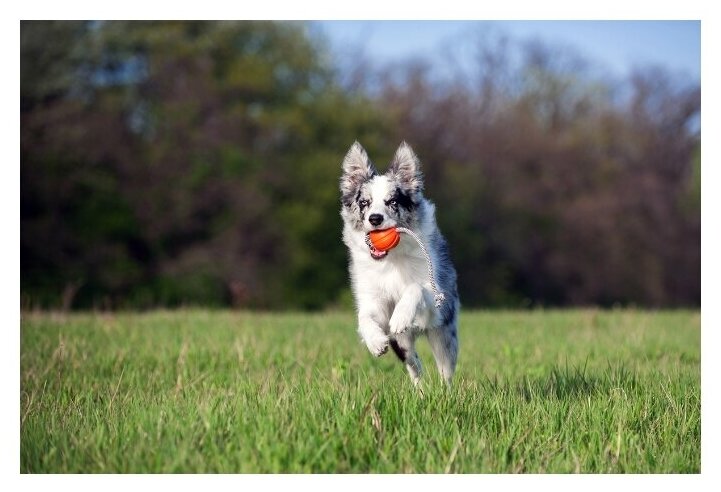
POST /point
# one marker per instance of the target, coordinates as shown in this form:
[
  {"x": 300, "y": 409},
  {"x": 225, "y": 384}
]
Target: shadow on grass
[{"x": 563, "y": 383}]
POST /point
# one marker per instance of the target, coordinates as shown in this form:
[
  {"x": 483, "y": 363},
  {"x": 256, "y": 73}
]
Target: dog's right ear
[{"x": 357, "y": 168}]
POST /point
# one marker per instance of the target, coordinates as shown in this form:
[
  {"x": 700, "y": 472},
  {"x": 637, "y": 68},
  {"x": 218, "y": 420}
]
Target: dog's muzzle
[{"x": 375, "y": 254}]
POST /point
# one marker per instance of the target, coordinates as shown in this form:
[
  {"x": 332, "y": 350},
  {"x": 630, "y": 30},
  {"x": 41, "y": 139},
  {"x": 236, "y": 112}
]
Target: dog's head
[{"x": 378, "y": 201}]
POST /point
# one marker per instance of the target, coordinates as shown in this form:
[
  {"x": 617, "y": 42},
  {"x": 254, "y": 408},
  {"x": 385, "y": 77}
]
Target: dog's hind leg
[
  {"x": 444, "y": 344},
  {"x": 404, "y": 346}
]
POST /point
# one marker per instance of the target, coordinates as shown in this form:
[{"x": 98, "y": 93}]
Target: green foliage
[
  {"x": 175, "y": 163},
  {"x": 204, "y": 165},
  {"x": 202, "y": 391}
]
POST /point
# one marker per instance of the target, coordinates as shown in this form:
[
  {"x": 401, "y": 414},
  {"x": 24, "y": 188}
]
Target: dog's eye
[
  {"x": 392, "y": 202},
  {"x": 363, "y": 203}
]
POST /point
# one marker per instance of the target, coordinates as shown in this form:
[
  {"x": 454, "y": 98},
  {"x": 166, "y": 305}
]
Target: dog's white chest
[{"x": 389, "y": 277}]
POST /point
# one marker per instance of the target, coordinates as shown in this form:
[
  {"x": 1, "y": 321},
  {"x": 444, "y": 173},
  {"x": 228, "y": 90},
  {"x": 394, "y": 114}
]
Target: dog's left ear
[{"x": 406, "y": 168}]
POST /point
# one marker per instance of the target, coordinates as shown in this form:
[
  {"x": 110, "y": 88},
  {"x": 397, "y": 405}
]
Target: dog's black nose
[{"x": 375, "y": 219}]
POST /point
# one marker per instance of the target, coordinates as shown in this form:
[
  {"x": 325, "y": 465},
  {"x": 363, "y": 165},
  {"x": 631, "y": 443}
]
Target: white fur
[
  {"x": 393, "y": 295},
  {"x": 395, "y": 292}
]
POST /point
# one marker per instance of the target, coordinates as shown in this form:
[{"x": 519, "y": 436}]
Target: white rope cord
[{"x": 438, "y": 296}]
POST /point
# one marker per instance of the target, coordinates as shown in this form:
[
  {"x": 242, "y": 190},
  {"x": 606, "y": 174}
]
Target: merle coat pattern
[{"x": 391, "y": 289}]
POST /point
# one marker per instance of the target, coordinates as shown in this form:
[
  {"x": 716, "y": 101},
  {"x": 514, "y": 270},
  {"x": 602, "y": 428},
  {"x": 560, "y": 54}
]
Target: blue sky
[{"x": 616, "y": 46}]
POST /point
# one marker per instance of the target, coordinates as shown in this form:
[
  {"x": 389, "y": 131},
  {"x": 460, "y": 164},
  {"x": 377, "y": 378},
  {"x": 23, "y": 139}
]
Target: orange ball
[{"x": 385, "y": 239}]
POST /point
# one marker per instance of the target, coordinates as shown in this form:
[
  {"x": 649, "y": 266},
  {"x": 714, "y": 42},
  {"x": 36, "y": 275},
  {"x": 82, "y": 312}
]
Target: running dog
[{"x": 392, "y": 289}]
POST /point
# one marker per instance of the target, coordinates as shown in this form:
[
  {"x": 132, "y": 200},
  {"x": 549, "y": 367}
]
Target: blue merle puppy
[{"x": 392, "y": 289}]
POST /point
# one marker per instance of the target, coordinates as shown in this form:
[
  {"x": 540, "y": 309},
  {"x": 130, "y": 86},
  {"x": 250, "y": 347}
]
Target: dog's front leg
[
  {"x": 410, "y": 309},
  {"x": 372, "y": 334}
]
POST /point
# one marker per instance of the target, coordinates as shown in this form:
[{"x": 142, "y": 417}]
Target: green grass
[{"x": 201, "y": 391}]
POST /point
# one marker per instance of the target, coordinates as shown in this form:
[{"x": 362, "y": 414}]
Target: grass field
[{"x": 201, "y": 391}]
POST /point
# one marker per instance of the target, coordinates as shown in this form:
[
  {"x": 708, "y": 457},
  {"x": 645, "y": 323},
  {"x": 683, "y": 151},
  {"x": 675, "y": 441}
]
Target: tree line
[{"x": 175, "y": 163}]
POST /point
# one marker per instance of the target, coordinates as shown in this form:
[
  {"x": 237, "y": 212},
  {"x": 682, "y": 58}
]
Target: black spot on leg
[{"x": 398, "y": 350}]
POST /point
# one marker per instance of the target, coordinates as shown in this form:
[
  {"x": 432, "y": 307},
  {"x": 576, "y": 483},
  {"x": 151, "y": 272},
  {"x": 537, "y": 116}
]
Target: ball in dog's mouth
[{"x": 381, "y": 241}]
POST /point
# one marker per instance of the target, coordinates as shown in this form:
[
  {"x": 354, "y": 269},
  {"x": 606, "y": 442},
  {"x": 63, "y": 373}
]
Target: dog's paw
[
  {"x": 377, "y": 345},
  {"x": 401, "y": 320}
]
